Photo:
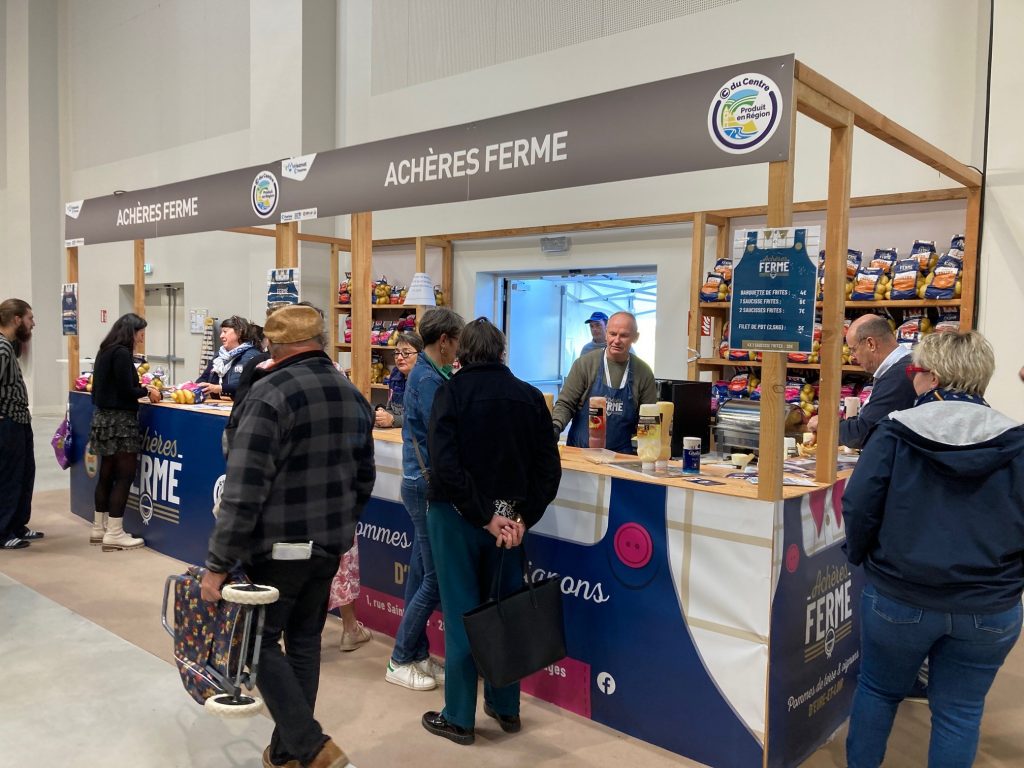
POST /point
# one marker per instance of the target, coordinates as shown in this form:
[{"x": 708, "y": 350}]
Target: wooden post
[
  {"x": 73, "y": 360},
  {"x": 139, "y": 293},
  {"x": 421, "y": 266},
  {"x": 286, "y": 254},
  {"x": 696, "y": 280},
  {"x": 773, "y": 367},
  {"x": 448, "y": 271},
  {"x": 968, "y": 280},
  {"x": 837, "y": 225},
  {"x": 362, "y": 258},
  {"x": 332, "y": 297}
]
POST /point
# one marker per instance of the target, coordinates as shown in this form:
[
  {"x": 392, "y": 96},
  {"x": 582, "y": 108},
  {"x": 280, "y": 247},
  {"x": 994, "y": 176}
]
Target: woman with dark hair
[
  {"x": 114, "y": 435},
  {"x": 225, "y": 370},
  {"x": 407, "y": 351},
  {"x": 494, "y": 470},
  {"x": 410, "y": 664},
  {"x": 935, "y": 514}
]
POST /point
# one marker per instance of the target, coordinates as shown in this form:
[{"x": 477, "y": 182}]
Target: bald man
[
  {"x": 873, "y": 346},
  {"x": 625, "y": 381}
]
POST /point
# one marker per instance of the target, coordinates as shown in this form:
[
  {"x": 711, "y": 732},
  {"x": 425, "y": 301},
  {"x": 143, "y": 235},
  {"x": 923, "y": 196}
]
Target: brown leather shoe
[
  {"x": 268, "y": 763},
  {"x": 329, "y": 756}
]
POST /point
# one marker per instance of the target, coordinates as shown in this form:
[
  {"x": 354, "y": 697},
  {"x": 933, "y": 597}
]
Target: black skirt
[{"x": 114, "y": 432}]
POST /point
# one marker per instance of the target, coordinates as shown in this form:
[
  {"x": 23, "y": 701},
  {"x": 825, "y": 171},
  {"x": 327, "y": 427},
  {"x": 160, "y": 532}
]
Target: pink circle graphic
[{"x": 633, "y": 545}]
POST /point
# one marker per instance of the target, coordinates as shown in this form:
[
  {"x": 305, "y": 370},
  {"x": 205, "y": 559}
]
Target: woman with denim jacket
[
  {"x": 410, "y": 664},
  {"x": 935, "y": 513}
]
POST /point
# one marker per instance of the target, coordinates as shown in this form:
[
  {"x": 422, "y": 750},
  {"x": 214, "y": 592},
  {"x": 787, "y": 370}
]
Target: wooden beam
[
  {"x": 818, "y": 107},
  {"x": 332, "y": 299},
  {"x": 772, "y": 449},
  {"x": 580, "y": 226},
  {"x": 264, "y": 231},
  {"x": 694, "y": 316},
  {"x": 73, "y": 359},
  {"x": 892, "y": 133},
  {"x": 969, "y": 277},
  {"x": 713, "y": 220},
  {"x": 867, "y": 201},
  {"x": 286, "y": 254},
  {"x": 362, "y": 261},
  {"x": 325, "y": 239},
  {"x": 837, "y": 231},
  {"x": 139, "y": 293}
]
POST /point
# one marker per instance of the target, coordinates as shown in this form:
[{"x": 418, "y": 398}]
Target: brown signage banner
[{"x": 736, "y": 115}]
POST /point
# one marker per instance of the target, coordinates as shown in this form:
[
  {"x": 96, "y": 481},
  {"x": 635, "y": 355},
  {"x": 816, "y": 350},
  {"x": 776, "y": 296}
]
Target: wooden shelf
[
  {"x": 719, "y": 362},
  {"x": 372, "y": 346},
  {"x": 381, "y": 307},
  {"x": 894, "y": 303}
]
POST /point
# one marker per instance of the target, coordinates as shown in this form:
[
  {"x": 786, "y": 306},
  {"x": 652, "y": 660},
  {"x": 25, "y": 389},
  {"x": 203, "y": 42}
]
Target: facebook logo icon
[{"x": 605, "y": 683}]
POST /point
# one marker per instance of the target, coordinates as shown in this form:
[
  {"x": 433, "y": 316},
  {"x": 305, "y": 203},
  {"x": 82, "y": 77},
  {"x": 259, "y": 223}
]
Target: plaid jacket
[{"x": 299, "y": 465}]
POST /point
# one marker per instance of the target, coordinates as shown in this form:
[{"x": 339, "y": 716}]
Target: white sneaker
[
  {"x": 352, "y": 640},
  {"x": 431, "y": 668},
  {"x": 409, "y": 676}
]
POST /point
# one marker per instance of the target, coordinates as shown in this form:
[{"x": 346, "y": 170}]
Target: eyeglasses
[
  {"x": 913, "y": 370},
  {"x": 403, "y": 354}
]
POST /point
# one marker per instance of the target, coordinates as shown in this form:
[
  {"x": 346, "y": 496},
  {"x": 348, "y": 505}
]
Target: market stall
[{"x": 715, "y": 617}]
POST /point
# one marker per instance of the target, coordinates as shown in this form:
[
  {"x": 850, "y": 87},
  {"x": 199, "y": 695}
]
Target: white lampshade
[{"x": 421, "y": 290}]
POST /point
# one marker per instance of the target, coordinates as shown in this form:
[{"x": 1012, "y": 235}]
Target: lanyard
[{"x": 608, "y": 375}]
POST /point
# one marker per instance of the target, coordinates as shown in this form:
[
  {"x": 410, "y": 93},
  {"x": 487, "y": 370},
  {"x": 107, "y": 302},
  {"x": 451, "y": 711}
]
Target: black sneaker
[
  {"x": 508, "y": 723},
  {"x": 14, "y": 543},
  {"x": 29, "y": 535},
  {"x": 436, "y": 723}
]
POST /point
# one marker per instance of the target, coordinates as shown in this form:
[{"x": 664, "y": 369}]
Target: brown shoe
[
  {"x": 329, "y": 756},
  {"x": 268, "y": 763}
]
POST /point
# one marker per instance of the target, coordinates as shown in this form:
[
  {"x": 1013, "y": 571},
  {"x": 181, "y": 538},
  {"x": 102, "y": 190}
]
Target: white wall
[
  {"x": 1002, "y": 264},
  {"x": 931, "y": 80}
]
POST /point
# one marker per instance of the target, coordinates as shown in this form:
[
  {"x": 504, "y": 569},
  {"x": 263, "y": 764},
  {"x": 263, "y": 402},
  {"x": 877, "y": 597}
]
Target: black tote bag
[{"x": 519, "y": 634}]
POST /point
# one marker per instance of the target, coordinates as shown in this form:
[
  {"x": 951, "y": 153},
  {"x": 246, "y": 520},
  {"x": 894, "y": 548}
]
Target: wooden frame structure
[
  {"x": 814, "y": 96},
  {"x": 286, "y": 255}
]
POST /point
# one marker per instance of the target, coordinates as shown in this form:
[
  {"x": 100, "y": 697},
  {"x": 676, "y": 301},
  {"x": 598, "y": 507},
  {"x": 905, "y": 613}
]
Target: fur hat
[{"x": 292, "y": 324}]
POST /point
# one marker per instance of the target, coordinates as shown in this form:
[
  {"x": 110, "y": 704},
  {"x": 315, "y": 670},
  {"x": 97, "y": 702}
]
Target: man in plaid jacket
[{"x": 300, "y": 470}]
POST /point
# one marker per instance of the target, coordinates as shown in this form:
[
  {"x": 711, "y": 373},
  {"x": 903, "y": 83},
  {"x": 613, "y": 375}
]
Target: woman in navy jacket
[
  {"x": 224, "y": 372},
  {"x": 935, "y": 514},
  {"x": 494, "y": 468}
]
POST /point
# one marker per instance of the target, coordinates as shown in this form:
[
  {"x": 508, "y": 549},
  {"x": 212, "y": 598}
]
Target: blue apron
[{"x": 621, "y": 414}]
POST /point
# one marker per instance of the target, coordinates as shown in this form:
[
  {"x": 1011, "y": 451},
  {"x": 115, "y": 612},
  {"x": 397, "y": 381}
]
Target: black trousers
[
  {"x": 17, "y": 477},
  {"x": 288, "y": 680}
]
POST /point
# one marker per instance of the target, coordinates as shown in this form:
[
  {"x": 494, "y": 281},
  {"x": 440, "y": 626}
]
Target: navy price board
[{"x": 774, "y": 285}]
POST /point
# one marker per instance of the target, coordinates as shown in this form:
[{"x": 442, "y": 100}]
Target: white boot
[
  {"x": 99, "y": 527},
  {"x": 116, "y": 538}
]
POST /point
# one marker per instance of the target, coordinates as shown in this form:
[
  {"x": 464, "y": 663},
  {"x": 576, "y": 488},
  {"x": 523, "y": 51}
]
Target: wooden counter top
[{"x": 575, "y": 459}]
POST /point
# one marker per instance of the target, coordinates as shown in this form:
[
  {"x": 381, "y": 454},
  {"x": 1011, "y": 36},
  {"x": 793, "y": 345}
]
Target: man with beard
[{"x": 17, "y": 457}]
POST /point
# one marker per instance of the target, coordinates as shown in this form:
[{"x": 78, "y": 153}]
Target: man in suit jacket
[{"x": 874, "y": 347}]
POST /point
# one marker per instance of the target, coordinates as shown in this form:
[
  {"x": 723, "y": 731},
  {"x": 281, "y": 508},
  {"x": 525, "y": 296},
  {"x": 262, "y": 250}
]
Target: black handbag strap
[
  {"x": 419, "y": 459},
  {"x": 496, "y": 584}
]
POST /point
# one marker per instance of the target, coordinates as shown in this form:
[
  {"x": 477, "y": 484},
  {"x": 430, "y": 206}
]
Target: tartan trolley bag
[{"x": 217, "y": 645}]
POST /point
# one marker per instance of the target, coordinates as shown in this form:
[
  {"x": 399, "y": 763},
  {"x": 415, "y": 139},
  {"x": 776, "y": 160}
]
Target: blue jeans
[
  {"x": 421, "y": 593},
  {"x": 964, "y": 652}
]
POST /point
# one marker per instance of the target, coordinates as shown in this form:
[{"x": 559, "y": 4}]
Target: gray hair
[
  {"x": 875, "y": 326},
  {"x": 440, "y": 321},
  {"x": 963, "y": 362},
  {"x": 481, "y": 342}
]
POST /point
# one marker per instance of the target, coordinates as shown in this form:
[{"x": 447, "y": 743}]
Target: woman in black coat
[{"x": 494, "y": 468}]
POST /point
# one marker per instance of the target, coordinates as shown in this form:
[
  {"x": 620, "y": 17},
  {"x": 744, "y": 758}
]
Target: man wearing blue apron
[{"x": 625, "y": 381}]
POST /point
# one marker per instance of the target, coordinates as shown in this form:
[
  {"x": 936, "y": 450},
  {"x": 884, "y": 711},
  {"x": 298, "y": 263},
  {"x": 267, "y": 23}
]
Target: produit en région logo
[
  {"x": 744, "y": 113},
  {"x": 264, "y": 194}
]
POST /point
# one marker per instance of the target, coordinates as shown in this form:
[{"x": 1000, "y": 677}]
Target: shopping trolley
[{"x": 217, "y": 645}]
